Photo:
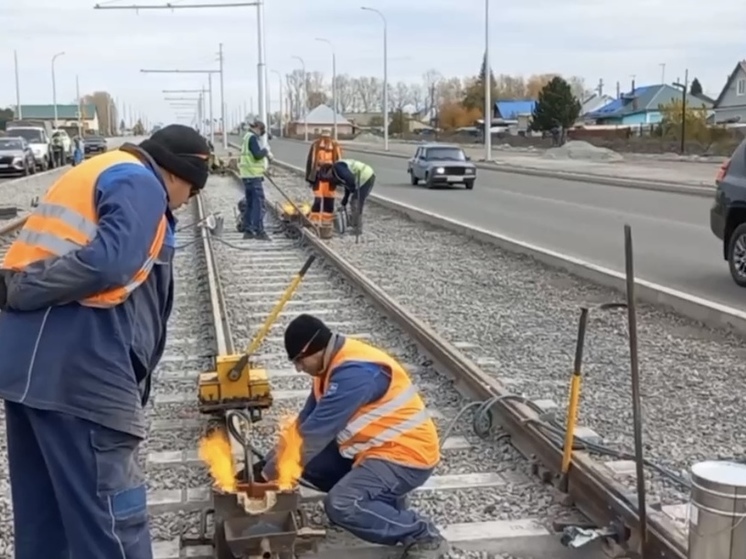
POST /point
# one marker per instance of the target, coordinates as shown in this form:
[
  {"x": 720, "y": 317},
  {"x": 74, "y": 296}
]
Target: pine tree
[
  {"x": 474, "y": 98},
  {"x": 696, "y": 88},
  {"x": 557, "y": 106}
]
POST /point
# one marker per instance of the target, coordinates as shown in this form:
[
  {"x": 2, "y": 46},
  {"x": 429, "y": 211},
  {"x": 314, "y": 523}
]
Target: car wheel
[
  {"x": 428, "y": 183},
  {"x": 737, "y": 255},
  {"x": 44, "y": 165},
  {"x": 413, "y": 179},
  {"x": 469, "y": 185}
]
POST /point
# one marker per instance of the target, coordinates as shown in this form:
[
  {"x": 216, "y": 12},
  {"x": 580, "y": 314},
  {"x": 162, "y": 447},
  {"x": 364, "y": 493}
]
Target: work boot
[
  {"x": 263, "y": 236},
  {"x": 430, "y": 548},
  {"x": 249, "y": 235}
]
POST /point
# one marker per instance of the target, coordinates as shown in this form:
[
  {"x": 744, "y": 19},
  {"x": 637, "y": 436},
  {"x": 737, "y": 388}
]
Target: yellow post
[
  {"x": 235, "y": 373},
  {"x": 574, "y": 399}
]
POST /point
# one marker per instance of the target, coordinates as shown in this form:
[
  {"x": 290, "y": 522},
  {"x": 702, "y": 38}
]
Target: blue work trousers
[
  {"x": 77, "y": 488},
  {"x": 253, "y": 218},
  {"x": 368, "y": 500}
]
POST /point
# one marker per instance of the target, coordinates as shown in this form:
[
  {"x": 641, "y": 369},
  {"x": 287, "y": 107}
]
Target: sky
[{"x": 610, "y": 40}]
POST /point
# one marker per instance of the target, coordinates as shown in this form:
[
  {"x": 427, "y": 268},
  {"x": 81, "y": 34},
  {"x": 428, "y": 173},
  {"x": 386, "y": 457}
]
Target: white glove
[{"x": 270, "y": 156}]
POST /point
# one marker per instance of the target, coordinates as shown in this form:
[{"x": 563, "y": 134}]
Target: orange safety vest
[
  {"x": 326, "y": 151},
  {"x": 397, "y": 427},
  {"x": 66, "y": 220}
]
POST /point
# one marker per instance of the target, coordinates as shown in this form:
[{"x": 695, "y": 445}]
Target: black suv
[{"x": 728, "y": 213}]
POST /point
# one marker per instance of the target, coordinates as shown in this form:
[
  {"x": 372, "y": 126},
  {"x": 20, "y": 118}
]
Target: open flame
[
  {"x": 289, "y": 467},
  {"x": 215, "y": 452}
]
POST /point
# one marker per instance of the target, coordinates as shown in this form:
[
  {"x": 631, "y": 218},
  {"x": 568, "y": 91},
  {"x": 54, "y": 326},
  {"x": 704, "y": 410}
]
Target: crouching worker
[
  {"x": 85, "y": 293},
  {"x": 368, "y": 440},
  {"x": 357, "y": 179}
]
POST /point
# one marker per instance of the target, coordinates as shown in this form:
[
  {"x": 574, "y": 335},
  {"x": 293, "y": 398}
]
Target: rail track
[{"x": 489, "y": 491}]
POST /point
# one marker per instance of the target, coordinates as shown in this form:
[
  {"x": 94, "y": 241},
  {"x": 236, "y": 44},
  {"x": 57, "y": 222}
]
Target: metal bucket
[
  {"x": 340, "y": 221},
  {"x": 717, "y": 511}
]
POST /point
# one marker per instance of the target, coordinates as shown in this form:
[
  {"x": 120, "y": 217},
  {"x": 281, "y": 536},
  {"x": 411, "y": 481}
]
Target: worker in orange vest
[
  {"x": 87, "y": 292},
  {"x": 323, "y": 151},
  {"x": 368, "y": 440}
]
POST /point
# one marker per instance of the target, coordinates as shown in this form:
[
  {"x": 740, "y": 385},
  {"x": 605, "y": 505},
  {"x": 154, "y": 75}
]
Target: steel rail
[
  {"x": 591, "y": 487},
  {"x": 12, "y": 226}
]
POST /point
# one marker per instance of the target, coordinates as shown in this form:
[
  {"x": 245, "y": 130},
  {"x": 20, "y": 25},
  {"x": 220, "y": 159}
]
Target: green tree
[
  {"x": 398, "y": 124},
  {"x": 557, "y": 106},
  {"x": 138, "y": 129},
  {"x": 6, "y": 115},
  {"x": 696, "y": 88},
  {"x": 474, "y": 98}
]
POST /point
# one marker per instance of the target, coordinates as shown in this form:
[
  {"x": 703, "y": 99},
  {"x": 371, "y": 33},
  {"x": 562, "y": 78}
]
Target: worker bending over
[
  {"x": 358, "y": 179},
  {"x": 323, "y": 151},
  {"x": 85, "y": 294},
  {"x": 368, "y": 440},
  {"x": 251, "y": 167}
]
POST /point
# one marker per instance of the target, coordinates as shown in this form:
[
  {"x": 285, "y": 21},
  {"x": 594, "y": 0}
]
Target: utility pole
[
  {"x": 663, "y": 72},
  {"x": 54, "y": 87},
  {"x": 262, "y": 52},
  {"x": 385, "y": 76},
  {"x": 80, "y": 105},
  {"x": 200, "y": 100},
  {"x": 19, "y": 111},
  {"x": 684, "y": 87},
  {"x": 282, "y": 101},
  {"x": 223, "y": 124},
  {"x": 487, "y": 85}
]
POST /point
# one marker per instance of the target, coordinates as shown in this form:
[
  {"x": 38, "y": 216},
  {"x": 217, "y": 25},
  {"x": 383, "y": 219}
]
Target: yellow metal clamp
[{"x": 235, "y": 372}]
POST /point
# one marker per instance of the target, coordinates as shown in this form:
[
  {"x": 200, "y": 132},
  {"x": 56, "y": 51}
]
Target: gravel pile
[
  {"x": 521, "y": 317},
  {"x": 582, "y": 150}
]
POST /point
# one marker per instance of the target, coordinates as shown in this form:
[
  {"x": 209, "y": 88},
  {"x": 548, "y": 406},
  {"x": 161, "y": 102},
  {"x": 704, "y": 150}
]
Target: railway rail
[{"x": 497, "y": 486}]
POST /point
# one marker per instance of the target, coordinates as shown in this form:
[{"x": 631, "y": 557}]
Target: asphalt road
[{"x": 672, "y": 240}]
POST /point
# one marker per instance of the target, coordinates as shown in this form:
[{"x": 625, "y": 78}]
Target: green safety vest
[
  {"x": 249, "y": 166},
  {"x": 362, "y": 171}
]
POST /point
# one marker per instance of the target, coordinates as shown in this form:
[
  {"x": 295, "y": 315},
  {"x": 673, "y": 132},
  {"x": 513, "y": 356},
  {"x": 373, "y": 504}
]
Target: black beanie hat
[
  {"x": 306, "y": 335},
  {"x": 180, "y": 150}
]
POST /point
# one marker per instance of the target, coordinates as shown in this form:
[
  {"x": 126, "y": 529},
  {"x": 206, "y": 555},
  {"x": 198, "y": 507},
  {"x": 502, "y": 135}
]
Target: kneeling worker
[
  {"x": 368, "y": 440},
  {"x": 86, "y": 292},
  {"x": 358, "y": 179}
]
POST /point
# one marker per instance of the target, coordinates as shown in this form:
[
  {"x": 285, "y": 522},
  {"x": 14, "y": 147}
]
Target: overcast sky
[{"x": 597, "y": 39}]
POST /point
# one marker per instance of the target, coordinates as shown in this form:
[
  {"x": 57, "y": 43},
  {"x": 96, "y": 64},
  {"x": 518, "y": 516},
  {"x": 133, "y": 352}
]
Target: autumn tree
[
  {"x": 474, "y": 98},
  {"x": 556, "y": 106},
  {"x": 694, "y": 118},
  {"x": 696, "y": 87},
  {"x": 536, "y": 83},
  {"x": 455, "y": 115},
  {"x": 295, "y": 82},
  {"x": 399, "y": 122},
  {"x": 345, "y": 90}
]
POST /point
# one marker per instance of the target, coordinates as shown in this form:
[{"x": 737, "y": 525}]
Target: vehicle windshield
[
  {"x": 31, "y": 135},
  {"x": 445, "y": 154},
  {"x": 8, "y": 144}
]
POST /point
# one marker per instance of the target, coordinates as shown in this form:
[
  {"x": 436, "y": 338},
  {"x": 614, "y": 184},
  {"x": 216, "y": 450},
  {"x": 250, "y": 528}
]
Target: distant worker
[
  {"x": 86, "y": 292},
  {"x": 78, "y": 151},
  {"x": 58, "y": 150},
  {"x": 368, "y": 440},
  {"x": 357, "y": 179},
  {"x": 323, "y": 151},
  {"x": 252, "y": 166}
]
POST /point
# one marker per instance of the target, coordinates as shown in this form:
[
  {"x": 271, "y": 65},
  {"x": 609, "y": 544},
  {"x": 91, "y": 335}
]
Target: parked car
[
  {"x": 94, "y": 145},
  {"x": 40, "y": 144},
  {"x": 441, "y": 164},
  {"x": 728, "y": 213},
  {"x": 16, "y": 157}
]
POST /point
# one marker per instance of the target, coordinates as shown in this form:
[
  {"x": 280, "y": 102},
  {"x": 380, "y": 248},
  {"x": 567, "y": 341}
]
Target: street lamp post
[
  {"x": 487, "y": 85},
  {"x": 54, "y": 87},
  {"x": 334, "y": 83},
  {"x": 279, "y": 80},
  {"x": 684, "y": 87},
  {"x": 385, "y": 76},
  {"x": 19, "y": 111},
  {"x": 305, "y": 98}
]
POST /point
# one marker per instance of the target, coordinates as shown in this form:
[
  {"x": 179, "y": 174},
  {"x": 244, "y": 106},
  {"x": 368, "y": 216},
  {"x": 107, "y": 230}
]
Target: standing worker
[
  {"x": 78, "y": 151},
  {"x": 323, "y": 151},
  {"x": 58, "y": 149},
  {"x": 357, "y": 178},
  {"x": 368, "y": 440},
  {"x": 86, "y": 291},
  {"x": 252, "y": 166}
]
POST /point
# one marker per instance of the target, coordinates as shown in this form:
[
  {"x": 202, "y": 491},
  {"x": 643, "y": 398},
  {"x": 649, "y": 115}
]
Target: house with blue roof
[
  {"x": 642, "y": 106},
  {"x": 512, "y": 109}
]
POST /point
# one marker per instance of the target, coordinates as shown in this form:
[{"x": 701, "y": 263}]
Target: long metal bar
[
  {"x": 635, "y": 373},
  {"x": 170, "y": 6}
]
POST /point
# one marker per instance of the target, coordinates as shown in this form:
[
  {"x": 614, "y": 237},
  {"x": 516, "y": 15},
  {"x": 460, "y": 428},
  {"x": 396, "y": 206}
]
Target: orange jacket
[
  {"x": 66, "y": 220},
  {"x": 397, "y": 427},
  {"x": 323, "y": 150}
]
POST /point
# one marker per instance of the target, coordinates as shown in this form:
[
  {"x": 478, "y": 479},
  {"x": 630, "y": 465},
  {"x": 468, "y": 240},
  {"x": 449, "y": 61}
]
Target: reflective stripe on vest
[
  {"x": 361, "y": 171},
  {"x": 66, "y": 221},
  {"x": 397, "y": 427},
  {"x": 326, "y": 151},
  {"x": 249, "y": 166}
]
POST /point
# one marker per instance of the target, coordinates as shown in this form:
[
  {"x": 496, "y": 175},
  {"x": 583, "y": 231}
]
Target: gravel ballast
[{"x": 521, "y": 317}]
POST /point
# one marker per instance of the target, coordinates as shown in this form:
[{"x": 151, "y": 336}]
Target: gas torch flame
[
  {"x": 289, "y": 467},
  {"x": 215, "y": 452}
]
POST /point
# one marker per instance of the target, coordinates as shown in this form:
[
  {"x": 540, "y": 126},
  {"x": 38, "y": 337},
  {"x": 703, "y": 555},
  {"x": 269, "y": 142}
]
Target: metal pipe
[
  {"x": 385, "y": 77},
  {"x": 54, "y": 87},
  {"x": 212, "y": 119},
  {"x": 262, "y": 62},
  {"x": 487, "y": 85},
  {"x": 223, "y": 124}
]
